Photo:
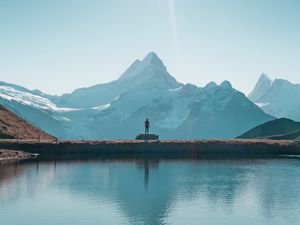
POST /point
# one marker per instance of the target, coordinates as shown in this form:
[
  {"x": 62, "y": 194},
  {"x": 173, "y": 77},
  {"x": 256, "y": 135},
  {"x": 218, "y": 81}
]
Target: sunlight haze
[{"x": 60, "y": 45}]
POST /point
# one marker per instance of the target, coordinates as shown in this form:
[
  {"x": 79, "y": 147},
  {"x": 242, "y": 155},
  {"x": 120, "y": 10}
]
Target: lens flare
[{"x": 175, "y": 35}]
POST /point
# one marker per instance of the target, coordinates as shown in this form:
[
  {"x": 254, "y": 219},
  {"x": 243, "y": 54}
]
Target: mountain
[
  {"x": 279, "y": 98},
  {"x": 264, "y": 84},
  {"x": 38, "y": 111},
  {"x": 148, "y": 73},
  {"x": 185, "y": 112},
  {"x": 145, "y": 90},
  {"x": 222, "y": 111},
  {"x": 276, "y": 129},
  {"x": 12, "y": 126}
]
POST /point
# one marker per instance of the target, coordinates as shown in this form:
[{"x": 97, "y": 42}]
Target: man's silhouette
[{"x": 147, "y": 126}]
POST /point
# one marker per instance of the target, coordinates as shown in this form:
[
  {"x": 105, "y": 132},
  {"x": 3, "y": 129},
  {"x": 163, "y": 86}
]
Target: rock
[
  {"x": 147, "y": 137},
  {"x": 11, "y": 156}
]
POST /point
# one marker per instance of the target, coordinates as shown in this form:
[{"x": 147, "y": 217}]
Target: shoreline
[
  {"x": 12, "y": 156},
  {"x": 197, "y": 148}
]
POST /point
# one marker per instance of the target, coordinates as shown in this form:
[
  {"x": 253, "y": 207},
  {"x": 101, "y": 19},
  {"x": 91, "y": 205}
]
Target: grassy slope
[
  {"x": 12, "y": 127},
  {"x": 281, "y": 128}
]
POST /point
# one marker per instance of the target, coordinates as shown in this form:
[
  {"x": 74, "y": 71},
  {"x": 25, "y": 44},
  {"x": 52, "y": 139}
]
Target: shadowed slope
[
  {"x": 12, "y": 126},
  {"x": 281, "y": 127}
]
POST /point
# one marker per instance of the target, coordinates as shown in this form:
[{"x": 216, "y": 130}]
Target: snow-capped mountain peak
[
  {"x": 150, "y": 64},
  {"x": 263, "y": 84},
  {"x": 132, "y": 70},
  {"x": 154, "y": 60},
  {"x": 9, "y": 93},
  {"x": 279, "y": 98}
]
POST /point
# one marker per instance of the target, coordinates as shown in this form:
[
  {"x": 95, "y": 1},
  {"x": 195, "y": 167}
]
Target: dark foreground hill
[
  {"x": 289, "y": 136},
  {"x": 13, "y": 127},
  {"x": 279, "y": 129}
]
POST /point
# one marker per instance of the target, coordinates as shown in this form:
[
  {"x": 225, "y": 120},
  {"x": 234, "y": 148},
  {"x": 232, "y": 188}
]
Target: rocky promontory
[{"x": 7, "y": 156}]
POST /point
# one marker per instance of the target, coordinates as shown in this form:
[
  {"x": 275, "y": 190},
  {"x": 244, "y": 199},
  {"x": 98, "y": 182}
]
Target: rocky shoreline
[
  {"x": 10, "y": 156},
  {"x": 222, "y": 148}
]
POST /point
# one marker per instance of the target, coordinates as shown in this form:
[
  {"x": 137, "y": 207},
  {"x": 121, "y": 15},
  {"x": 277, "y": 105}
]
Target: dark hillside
[
  {"x": 12, "y": 127},
  {"x": 279, "y": 127}
]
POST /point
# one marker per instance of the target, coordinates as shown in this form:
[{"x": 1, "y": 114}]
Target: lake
[{"x": 232, "y": 192}]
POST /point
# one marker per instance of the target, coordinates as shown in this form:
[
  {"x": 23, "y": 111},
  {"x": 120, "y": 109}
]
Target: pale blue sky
[{"x": 60, "y": 45}]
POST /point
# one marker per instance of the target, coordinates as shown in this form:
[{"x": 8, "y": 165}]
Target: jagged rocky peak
[
  {"x": 263, "y": 84},
  {"x": 264, "y": 78},
  {"x": 149, "y": 73},
  {"x": 140, "y": 67},
  {"x": 211, "y": 85},
  {"x": 263, "y": 81},
  {"x": 133, "y": 66},
  {"x": 188, "y": 89},
  {"x": 131, "y": 71},
  {"x": 226, "y": 84},
  {"x": 153, "y": 59},
  {"x": 281, "y": 83},
  {"x": 189, "y": 86}
]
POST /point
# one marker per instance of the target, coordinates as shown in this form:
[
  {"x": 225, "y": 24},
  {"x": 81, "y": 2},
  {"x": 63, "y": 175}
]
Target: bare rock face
[
  {"x": 147, "y": 137},
  {"x": 13, "y": 127}
]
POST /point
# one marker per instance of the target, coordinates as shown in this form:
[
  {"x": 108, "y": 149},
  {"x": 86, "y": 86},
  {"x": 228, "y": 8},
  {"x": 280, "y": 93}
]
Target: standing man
[{"x": 147, "y": 126}]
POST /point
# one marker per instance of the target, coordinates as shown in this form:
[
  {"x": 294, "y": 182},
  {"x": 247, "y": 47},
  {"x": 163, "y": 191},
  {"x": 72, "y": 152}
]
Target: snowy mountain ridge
[
  {"x": 27, "y": 98},
  {"x": 278, "y": 97},
  {"x": 145, "y": 90}
]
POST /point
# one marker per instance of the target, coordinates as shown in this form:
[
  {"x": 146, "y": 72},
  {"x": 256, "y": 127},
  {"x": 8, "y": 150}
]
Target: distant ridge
[
  {"x": 278, "y": 97},
  {"x": 279, "y": 129},
  {"x": 262, "y": 86},
  {"x": 13, "y": 127}
]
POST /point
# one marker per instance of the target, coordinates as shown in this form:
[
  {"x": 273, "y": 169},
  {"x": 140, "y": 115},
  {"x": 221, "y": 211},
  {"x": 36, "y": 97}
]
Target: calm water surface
[{"x": 151, "y": 192}]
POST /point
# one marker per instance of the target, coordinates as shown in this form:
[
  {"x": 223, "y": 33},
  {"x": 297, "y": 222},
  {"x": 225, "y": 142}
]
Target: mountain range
[
  {"x": 278, "y": 97},
  {"x": 117, "y": 109}
]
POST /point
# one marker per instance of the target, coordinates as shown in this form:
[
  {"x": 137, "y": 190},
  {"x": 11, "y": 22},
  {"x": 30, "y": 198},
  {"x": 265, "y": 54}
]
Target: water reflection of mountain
[
  {"x": 146, "y": 190},
  {"x": 277, "y": 187}
]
